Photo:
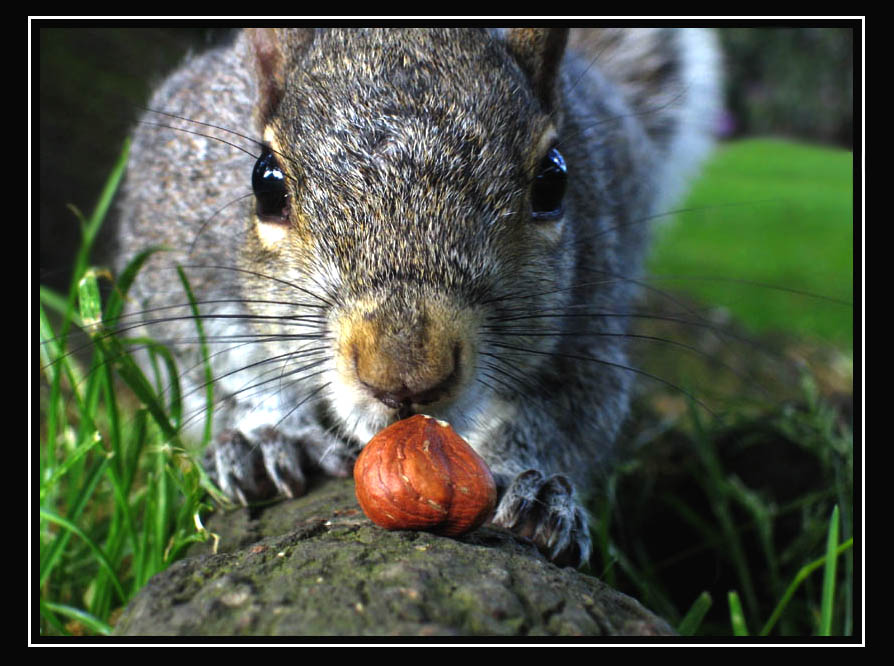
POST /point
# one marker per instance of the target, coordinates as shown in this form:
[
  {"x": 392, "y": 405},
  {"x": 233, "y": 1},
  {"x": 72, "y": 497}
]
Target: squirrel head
[{"x": 410, "y": 181}]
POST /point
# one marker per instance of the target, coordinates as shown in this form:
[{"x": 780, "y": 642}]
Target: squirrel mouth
[{"x": 406, "y": 399}]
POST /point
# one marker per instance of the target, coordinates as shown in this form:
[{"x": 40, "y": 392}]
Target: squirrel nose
[
  {"x": 405, "y": 351},
  {"x": 404, "y": 380}
]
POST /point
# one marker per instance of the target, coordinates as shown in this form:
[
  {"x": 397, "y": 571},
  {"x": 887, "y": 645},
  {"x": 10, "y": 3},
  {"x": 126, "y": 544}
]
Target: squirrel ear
[
  {"x": 539, "y": 53},
  {"x": 274, "y": 50}
]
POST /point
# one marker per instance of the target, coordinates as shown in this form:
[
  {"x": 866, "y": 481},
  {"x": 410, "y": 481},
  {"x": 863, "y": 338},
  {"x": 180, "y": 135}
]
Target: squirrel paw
[
  {"x": 249, "y": 471},
  {"x": 545, "y": 511}
]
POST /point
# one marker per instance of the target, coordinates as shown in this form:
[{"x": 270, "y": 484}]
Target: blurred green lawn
[{"x": 772, "y": 212}]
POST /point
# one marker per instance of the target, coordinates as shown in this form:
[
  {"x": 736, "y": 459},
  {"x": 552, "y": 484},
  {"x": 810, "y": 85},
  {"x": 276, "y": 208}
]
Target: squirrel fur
[{"x": 381, "y": 222}]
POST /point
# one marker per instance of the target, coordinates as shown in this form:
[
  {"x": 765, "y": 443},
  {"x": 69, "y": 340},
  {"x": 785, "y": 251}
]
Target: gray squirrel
[{"x": 381, "y": 222}]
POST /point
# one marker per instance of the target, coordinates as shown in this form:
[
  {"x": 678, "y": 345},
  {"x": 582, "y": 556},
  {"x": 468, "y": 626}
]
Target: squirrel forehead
[
  {"x": 411, "y": 84},
  {"x": 410, "y": 61}
]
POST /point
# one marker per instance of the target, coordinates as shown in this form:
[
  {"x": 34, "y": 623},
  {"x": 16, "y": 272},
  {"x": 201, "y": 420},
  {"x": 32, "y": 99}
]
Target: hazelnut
[{"x": 418, "y": 474}]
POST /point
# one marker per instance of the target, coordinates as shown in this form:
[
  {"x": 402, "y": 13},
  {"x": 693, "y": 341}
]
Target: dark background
[{"x": 91, "y": 81}]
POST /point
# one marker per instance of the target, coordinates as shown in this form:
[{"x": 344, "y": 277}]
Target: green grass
[
  {"x": 775, "y": 213},
  {"x": 119, "y": 497},
  {"x": 735, "y": 526}
]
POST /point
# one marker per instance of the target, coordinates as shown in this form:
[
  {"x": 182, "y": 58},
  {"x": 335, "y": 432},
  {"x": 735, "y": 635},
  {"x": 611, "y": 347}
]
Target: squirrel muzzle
[{"x": 405, "y": 354}]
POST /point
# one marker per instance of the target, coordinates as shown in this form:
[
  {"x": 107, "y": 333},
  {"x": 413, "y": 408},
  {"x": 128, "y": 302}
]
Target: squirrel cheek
[
  {"x": 271, "y": 234},
  {"x": 290, "y": 236},
  {"x": 551, "y": 232}
]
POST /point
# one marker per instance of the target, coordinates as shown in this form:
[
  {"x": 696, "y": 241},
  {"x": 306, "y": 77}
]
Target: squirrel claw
[
  {"x": 545, "y": 511},
  {"x": 248, "y": 471}
]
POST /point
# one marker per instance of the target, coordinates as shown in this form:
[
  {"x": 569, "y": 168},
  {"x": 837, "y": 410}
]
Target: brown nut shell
[{"x": 418, "y": 474}]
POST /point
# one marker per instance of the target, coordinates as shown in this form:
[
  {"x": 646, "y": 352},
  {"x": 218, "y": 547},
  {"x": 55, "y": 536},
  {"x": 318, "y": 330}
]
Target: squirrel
[{"x": 380, "y": 222}]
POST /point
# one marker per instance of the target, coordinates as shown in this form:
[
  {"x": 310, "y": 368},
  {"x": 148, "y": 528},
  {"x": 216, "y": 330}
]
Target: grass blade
[
  {"x": 90, "y": 621},
  {"x": 122, "y": 285},
  {"x": 49, "y": 556},
  {"x": 209, "y": 375},
  {"x": 799, "y": 578},
  {"x": 736, "y": 616},
  {"x": 97, "y": 551},
  {"x": 58, "y": 472},
  {"x": 693, "y": 618},
  {"x": 831, "y": 561},
  {"x": 89, "y": 230}
]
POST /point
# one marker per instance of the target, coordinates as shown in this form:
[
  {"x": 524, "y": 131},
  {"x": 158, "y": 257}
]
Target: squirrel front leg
[
  {"x": 268, "y": 463},
  {"x": 544, "y": 509},
  {"x": 255, "y": 468}
]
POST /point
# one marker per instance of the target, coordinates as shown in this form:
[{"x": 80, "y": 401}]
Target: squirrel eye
[
  {"x": 269, "y": 185},
  {"x": 548, "y": 189}
]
